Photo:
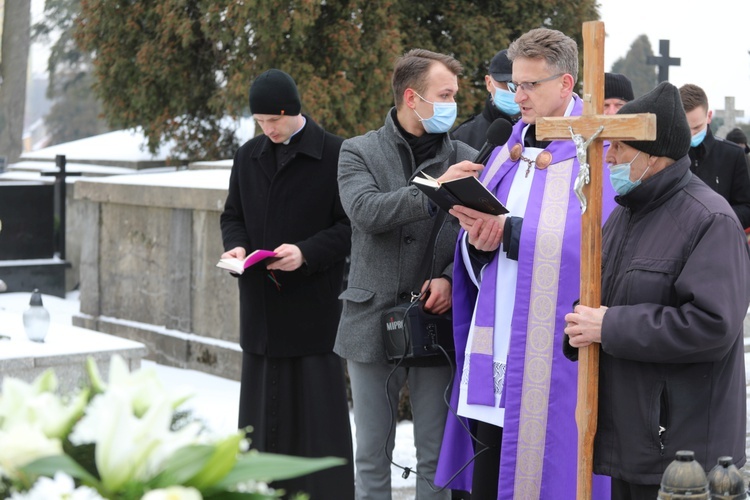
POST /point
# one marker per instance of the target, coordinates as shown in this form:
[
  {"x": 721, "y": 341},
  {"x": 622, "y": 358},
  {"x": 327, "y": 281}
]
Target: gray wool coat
[{"x": 391, "y": 225}]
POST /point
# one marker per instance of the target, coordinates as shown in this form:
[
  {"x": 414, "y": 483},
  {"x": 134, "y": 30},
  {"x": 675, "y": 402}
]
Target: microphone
[{"x": 497, "y": 134}]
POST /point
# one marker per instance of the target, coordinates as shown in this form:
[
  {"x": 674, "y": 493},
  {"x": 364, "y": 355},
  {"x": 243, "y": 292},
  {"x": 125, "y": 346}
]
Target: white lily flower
[
  {"x": 60, "y": 487},
  {"x": 24, "y": 444},
  {"x": 143, "y": 385},
  {"x": 171, "y": 444},
  {"x": 173, "y": 493},
  {"x": 123, "y": 441},
  {"x": 35, "y": 405}
]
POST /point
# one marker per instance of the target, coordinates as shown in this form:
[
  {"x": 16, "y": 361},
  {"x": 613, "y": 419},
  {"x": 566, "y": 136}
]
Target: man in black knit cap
[
  {"x": 675, "y": 290},
  {"x": 738, "y": 137},
  {"x": 499, "y": 104},
  {"x": 283, "y": 196},
  {"x": 617, "y": 92}
]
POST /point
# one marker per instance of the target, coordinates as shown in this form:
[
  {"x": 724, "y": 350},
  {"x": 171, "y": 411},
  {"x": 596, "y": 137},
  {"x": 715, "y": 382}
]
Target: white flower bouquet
[{"x": 121, "y": 440}]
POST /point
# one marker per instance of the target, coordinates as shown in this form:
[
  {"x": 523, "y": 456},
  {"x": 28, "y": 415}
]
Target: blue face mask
[
  {"x": 696, "y": 140},
  {"x": 619, "y": 177},
  {"x": 504, "y": 101},
  {"x": 442, "y": 119}
]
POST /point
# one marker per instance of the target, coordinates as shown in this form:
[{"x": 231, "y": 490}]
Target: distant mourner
[
  {"x": 617, "y": 91},
  {"x": 500, "y": 103},
  {"x": 718, "y": 163}
]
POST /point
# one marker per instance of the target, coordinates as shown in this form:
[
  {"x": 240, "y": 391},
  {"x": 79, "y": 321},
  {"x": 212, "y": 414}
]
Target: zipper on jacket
[
  {"x": 663, "y": 417},
  {"x": 661, "y": 441}
]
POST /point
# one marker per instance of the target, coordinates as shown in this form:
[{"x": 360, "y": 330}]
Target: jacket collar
[
  {"x": 704, "y": 148},
  {"x": 391, "y": 129},
  {"x": 656, "y": 190},
  {"x": 311, "y": 143}
]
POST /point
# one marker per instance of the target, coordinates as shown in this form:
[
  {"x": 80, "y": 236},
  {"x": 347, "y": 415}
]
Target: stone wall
[{"x": 147, "y": 267}]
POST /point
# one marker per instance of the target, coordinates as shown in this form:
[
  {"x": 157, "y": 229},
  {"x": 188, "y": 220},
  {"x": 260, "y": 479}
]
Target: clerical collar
[{"x": 304, "y": 122}]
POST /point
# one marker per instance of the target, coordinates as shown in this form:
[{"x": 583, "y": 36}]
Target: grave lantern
[{"x": 684, "y": 479}]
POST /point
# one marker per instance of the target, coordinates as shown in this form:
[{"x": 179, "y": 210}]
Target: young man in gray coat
[{"x": 391, "y": 225}]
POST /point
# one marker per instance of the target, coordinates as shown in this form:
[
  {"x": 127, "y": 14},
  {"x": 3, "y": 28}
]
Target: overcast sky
[{"x": 711, "y": 38}]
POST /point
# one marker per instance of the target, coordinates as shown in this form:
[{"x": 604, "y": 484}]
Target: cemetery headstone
[
  {"x": 729, "y": 114},
  {"x": 27, "y": 244}
]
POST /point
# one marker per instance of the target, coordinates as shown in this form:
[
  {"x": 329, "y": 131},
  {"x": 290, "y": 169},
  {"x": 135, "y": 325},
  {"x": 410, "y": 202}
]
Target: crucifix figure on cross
[
  {"x": 597, "y": 127},
  {"x": 583, "y": 178}
]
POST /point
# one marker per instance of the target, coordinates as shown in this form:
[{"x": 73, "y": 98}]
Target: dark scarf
[{"x": 424, "y": 147}]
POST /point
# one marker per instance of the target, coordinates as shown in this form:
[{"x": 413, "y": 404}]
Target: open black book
[{"x": 466, "y": 191}]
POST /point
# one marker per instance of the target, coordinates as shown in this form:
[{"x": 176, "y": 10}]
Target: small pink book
[{"x": 239, "y": 265}]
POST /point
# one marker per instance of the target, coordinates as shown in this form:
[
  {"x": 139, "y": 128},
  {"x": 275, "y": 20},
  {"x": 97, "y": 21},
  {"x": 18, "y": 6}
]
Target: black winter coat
[
  {"x": 298, "y": 204},
  {"x": 722, "y": 165},
  {"x": 676, "y": 279}
]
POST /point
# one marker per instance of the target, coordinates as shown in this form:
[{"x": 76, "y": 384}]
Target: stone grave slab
[{"x": 65, "y": 349}]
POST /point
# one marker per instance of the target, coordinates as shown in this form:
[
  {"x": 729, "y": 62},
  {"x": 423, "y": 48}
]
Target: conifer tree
[
  {"x": 642, "y": 75},
  {"x": 75, "y": 112},
  {"x": 176, "y": 67}
]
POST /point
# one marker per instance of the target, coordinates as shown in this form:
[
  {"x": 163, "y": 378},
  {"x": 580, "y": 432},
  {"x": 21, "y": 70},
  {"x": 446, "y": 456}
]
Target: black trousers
[
  {"x": 623, "y": 490},
  {"x": 487, "y": 462}
]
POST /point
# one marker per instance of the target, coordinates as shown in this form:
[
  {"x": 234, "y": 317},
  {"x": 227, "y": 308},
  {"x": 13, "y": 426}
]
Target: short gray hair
[{"x": 556, "y": 48}]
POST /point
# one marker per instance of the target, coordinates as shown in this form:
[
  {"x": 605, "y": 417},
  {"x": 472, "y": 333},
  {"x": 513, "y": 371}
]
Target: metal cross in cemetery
[
  {"x": 664, "y": 61},
  {"x": 596, "y": 127},
  {"x": 60, "y": 177}
]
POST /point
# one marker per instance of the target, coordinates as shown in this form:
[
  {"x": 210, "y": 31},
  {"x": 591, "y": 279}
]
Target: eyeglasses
[{"x": 529, "y": 86}]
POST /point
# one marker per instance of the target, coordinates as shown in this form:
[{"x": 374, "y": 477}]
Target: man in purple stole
[{"x": 515, "y": 278}]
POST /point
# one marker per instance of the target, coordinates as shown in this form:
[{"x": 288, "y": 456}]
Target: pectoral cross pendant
[{"x": 529, "y": 164}]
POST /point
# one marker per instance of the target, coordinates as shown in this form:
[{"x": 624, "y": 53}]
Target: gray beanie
[
  {"x": 672, "y": 130},
  {"x": 274, "y": 93}
]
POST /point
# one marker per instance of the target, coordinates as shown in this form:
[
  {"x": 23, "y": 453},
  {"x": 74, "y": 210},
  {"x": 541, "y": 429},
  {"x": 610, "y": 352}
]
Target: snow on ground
[{"x": 215, "y": 399}]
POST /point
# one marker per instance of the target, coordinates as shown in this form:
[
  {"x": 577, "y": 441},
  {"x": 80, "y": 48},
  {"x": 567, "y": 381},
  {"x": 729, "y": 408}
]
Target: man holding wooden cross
[
  {"x": 515, "y": 277},
  {"x": 675, "y": 290}
]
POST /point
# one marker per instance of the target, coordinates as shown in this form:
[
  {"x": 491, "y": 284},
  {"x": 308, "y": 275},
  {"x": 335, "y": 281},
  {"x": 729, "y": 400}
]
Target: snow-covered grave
[
  {"x": 143, "y": 244},
  {"x": 65, "y": 349},
  {"x": 117, "y": 153}
]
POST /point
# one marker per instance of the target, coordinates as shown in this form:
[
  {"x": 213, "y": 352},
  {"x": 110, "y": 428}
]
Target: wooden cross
[
  {"x": 664, "y": 61},
  {"x": 620, "y": 127}
]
